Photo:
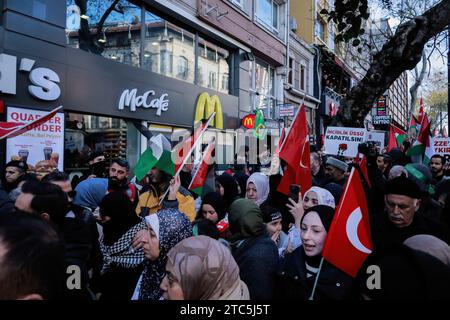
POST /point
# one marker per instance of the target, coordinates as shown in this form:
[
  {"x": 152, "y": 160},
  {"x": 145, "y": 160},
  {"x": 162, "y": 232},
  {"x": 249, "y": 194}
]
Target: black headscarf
[
  {"x": 230, "y": 187},
  {"x": 119, "y": 208},
  {"x": 215, "y": 200},
  {"x": 325, "y": 213}
]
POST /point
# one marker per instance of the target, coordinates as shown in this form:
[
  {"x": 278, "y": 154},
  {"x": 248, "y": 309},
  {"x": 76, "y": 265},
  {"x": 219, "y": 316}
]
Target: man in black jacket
[
  {"x": 51, "y": 203},
  {"x": 401, "y": 219}
]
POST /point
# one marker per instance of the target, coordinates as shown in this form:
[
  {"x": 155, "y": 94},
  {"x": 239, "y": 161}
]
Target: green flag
[
  {"x": 259, "y": 129},
  {"x": 158, "y": 154}
]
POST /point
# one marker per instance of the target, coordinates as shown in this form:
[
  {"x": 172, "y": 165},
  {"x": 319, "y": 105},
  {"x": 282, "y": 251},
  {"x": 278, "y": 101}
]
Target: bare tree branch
[{"x": 402, "y": 52}]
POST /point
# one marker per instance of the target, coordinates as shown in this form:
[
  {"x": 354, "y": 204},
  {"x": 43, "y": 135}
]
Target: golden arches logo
[{"x": 206, "y": 105}]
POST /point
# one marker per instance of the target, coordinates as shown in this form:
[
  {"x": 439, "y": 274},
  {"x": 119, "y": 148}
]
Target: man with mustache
[{"x": 401, "y": 218}]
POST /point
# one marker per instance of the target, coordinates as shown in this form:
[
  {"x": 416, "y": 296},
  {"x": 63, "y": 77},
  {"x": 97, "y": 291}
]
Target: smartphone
[{"x": 294, "y": 191}]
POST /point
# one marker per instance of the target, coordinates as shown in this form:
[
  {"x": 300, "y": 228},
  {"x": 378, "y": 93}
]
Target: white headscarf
[
  {"x": 324, "y": 196},
  {"x": 261, "y": 182}
]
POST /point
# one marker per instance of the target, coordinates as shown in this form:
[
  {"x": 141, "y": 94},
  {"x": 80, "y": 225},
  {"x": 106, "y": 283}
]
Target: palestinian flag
[
  {"x": 413, "y": 124},
  {"x": 200, "y": 175},
  {"x": 183, "y": 149},
  {"x": 396, "y": 137},
  {"x": 158, "y": 154},
  {"x": 419, "y": 146}
]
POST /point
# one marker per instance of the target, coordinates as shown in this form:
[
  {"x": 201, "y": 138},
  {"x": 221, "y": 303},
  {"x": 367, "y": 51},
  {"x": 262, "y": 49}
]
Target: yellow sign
[{"x": 206, "y": 105}]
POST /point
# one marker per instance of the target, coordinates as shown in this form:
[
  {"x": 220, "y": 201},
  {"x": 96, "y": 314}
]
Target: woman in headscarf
[
  {"x": 299, "y": 269},
  {"x": 227, "y": 187},
  {"x": 90, "y": 192},
  {"x": 122, "y": 265},
  {"x": 257, "y": 188},
  {"x": 213, "y": 208},
  {"x": 165, "y": 229},
  {"x": 313, "y": 197},
  {"x": 200, "y": 268},
  {"x": 255, "y": 253},
  {"x": 431, "y": 245}
]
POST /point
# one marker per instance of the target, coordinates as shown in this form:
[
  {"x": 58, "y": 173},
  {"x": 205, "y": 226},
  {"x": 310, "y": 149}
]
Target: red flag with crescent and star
[
  {"x": 349, "y": 241},
  {"x": 295, "y": 151}
]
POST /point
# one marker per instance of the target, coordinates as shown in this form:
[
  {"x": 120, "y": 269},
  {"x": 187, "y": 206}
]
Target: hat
[
  {"x": 325, "y": 213},
  {"x": 403, "y": 186},
  {"x": 18, "y": 164},
  {"x": 270, "y": 213},
  {"x": 341, "y": 165}
]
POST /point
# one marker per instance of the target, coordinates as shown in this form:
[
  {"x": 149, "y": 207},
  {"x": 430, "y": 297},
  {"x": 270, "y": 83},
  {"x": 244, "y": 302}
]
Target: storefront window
[
  {"x": 213, "y": 65},
  {"x": 113, "y": 29},
  {"x": 262, "y": 80},
  {"x": 106, "y": 28},
  {"x": 84, "y": 133},
  {"x": 170, "y": 48}
]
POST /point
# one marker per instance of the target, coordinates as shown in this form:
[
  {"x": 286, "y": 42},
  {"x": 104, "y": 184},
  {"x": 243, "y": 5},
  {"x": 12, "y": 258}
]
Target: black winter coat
[
  {"x": 258, "y": 260},
  {"x": 292, "y": 282}
]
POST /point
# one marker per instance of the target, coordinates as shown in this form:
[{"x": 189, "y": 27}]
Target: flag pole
[
  {"x": 292, "y": 123},
  {"x": 189, "y": 153},
  {"x": 201, "y": 161},
  {"x": 315, "y": 281}
]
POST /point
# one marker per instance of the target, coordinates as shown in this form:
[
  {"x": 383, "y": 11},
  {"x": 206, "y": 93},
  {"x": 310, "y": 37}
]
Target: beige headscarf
[
  {"x": 431, "y": 245},
  {"x": 206, "y": 270}
]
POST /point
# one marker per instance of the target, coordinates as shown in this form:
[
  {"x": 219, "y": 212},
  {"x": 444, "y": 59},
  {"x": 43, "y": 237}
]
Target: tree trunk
[{"x": 402, "y": 52}]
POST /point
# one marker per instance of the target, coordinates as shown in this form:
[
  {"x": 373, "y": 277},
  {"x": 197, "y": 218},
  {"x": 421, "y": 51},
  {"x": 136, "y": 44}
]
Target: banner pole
[{"x": 315, "y": 281}]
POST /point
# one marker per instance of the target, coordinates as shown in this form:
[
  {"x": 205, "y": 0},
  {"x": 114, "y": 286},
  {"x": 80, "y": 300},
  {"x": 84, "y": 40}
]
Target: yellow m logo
[{"x": 206, "y": 105}]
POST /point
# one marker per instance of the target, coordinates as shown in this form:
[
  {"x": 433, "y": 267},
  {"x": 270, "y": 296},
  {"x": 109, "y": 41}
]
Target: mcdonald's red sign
[{"x": 248, "y": 121}]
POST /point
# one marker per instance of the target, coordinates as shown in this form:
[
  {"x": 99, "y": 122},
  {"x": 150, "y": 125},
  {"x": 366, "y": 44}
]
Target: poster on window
[{"x": 45, "y": 142}]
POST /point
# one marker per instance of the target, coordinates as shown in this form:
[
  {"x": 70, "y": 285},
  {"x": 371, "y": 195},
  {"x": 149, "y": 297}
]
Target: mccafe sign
[{"x": 147, "y": 100}]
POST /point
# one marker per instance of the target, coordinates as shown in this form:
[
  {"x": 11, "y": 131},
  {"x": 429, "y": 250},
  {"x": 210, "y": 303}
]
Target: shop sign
[
  {"x": 44, "y": 81},
  {"x": 381, "y": 119},
  {"x": 45, "y": 142},
  {"x": 381, "y": 106},
  {"x": 206, "y": 106},
  {"x": 129, "y": 98},
  {"x": 287, "y": 110},
  {"x": 248, "y": 121}
]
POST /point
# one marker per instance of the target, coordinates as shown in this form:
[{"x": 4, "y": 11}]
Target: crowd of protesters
[{"x": 105, "y": 236}]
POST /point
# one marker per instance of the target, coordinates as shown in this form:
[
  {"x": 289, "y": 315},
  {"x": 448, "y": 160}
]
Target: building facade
[{"x": 116, "y": 65}]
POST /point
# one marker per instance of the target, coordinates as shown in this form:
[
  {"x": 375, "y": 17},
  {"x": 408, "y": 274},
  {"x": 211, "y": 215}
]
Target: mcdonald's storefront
[{"x": 105, "y": 103}]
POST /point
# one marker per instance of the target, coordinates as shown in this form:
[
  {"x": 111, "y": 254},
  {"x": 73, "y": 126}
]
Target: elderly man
[
  {"x": 335, "y": 170},
  {"x": 400, "y": 219}
]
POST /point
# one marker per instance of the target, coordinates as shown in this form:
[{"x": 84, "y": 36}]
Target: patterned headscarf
[
  {"x": 324, "y": 197},
  {"x": 173, "y": 226},
  {"x": 206, "y": 270}
]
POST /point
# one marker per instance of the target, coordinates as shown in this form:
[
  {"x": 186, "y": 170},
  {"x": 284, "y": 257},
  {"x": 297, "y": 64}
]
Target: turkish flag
[
  {"x": 183, "y": 149},
  {"x": 362, "y": 162},
  {"x": 8, "y": 127},
  {"x": 295, "y": 151},
  {"x": 14, "y": 129},
  {"x": 349, "y": 241}
]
